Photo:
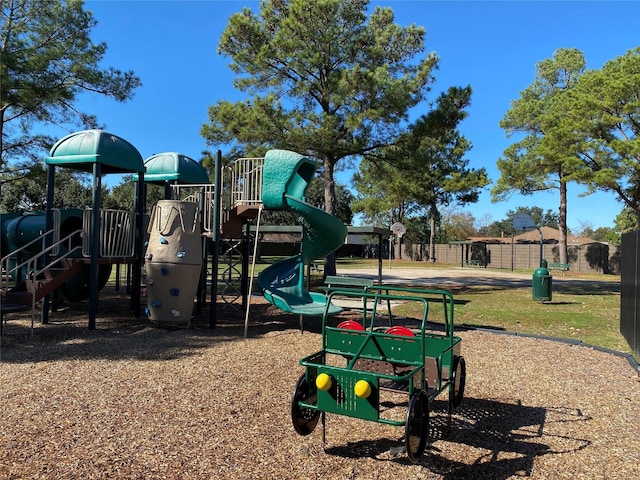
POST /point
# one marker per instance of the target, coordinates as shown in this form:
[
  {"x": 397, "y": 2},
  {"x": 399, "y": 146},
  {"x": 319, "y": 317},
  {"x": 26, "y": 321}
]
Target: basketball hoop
[{"x": 398, "y": 229}]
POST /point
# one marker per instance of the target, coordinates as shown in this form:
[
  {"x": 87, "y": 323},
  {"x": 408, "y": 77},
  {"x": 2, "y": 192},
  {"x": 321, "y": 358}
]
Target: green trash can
[{"x": 542, "y": 283}]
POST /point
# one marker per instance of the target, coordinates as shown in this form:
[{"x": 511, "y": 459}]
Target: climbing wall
[{"x": 173, "y": 261}]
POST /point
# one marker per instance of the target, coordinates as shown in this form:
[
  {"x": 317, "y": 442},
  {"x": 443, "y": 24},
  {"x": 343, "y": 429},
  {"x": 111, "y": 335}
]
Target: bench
[
  {"x": 333, "y": 281},
  {"x": 559, "y": 266},
  {"x": 473, "y": 263}
]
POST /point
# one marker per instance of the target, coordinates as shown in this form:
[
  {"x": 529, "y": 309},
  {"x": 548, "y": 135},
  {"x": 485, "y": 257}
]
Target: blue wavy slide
[{"x": 286, "y": 176}]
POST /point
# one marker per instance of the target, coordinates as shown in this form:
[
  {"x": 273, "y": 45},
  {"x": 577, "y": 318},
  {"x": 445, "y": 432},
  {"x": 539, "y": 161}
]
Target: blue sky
[{"x": 491, "y": 45}]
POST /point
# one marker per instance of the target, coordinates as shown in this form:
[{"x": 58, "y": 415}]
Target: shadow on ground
[
  {"x": 508, "y": 436},
  {"x": 119, "y": 335}
]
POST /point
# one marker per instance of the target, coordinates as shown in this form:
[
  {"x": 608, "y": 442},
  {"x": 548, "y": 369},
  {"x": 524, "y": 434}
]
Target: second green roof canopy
[{"x": 173, "y": 166}]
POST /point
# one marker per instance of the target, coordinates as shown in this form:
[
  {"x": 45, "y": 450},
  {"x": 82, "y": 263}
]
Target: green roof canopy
[
  {"x": 81, "y": 150},
  {"x": 169, "y": 166}
]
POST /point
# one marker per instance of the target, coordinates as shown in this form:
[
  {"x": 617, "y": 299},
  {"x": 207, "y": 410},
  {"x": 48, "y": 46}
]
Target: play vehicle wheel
[
  {"x": 416, "y": 431},
  {"x": 304, "y": 419},
  {"x": 458, "y": 381}
]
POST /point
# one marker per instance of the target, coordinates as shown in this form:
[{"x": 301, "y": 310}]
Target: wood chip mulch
[{"x": 133, "y": 401}]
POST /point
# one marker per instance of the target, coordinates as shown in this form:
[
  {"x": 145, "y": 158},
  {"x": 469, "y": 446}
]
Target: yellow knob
[
  {"x": 362, "y": 389},
  {"x": 323, "y": 381}
]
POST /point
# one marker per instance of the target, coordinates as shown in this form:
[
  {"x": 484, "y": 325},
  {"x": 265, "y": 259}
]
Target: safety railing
[
  {"x": 117, "y": 233},
  {"x": 13, "y": 264},
  {"x": 203, "y": 195},
  {"x": 15, "y": 270},
  {"x": 241, "y": 186},
  {"x": 246, "y": 181},
  {"x": 35, "y": 265}
]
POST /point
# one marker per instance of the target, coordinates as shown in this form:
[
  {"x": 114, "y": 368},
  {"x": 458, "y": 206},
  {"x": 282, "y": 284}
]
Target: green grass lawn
[
  {"x": 590, "y": 316},
  {"x": 579, "y": 314},
  {"x": 589, "y": 312}
]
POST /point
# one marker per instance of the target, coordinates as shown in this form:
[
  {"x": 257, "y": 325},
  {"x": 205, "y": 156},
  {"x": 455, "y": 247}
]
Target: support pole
[
  {"x": 94, "y": 242},
  {"x": 140, "y": 203},
  {"x": 246, "y": 254},
  {"x": 216, "y": 239},
  {"x": 202, "y": 285},
  {"x": 380, "y": 241},
  {"x": 541, "y": 243},
  {"x": 51, "y": 175},
  {"x": 380, "y": 259}
]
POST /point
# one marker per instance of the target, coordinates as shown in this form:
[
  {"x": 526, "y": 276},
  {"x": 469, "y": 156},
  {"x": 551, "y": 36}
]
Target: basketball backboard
[{"x": 523, "y": 221}]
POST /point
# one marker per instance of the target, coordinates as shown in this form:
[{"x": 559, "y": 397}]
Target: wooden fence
[
  {"x": 588, "y": 258},
  {"x": 592, "y": 258}
]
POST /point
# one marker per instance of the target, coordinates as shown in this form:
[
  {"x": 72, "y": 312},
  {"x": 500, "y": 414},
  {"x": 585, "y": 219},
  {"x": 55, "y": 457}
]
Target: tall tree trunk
[
  {"x": 432, "y": 234},
  {"x": 397, "y": 251},
  {"x": 329, "y": 207},
  {"x": 562, "y": 224}
]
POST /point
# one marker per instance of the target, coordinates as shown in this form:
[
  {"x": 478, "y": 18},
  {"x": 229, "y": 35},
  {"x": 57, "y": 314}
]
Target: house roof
[{"x": 549, "y": 235}]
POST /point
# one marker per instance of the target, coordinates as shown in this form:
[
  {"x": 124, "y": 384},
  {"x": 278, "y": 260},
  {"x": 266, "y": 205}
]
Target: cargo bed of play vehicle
[{"x": 362, "y": 363}]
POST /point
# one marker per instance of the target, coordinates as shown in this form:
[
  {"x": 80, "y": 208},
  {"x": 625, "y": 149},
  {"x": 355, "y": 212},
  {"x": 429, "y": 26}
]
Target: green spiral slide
[{"x": 286, "y": 176}]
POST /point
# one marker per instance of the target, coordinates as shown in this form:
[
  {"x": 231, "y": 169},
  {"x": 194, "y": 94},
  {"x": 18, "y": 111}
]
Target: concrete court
[{"x": 463, "y": 276}]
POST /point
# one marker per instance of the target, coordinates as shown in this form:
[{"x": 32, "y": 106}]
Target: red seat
[
  {"x": 351, "y": 325},
  {"x": 400, "y": 330}
]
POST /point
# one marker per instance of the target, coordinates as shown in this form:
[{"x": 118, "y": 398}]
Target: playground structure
[
  {"x": 364, "y": 366},
  {"x": 69, "y": 253},
  {"x": 41, "y": 264}
]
